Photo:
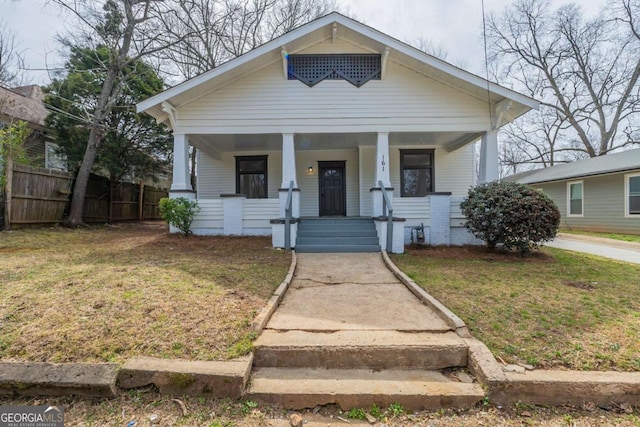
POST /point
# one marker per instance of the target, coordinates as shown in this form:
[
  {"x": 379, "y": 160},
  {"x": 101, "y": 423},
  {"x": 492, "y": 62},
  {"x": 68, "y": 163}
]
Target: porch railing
[
  {"x": 387, "y": 210},
  {"x": 287, "y": 217}
]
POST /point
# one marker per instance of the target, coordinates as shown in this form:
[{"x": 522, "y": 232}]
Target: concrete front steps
[
  {"x": 338, "y": 234},
  {"x": 299, "y": 388},
  {"x": 356, "y": 369}
]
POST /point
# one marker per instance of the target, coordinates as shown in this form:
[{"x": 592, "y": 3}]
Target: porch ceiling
[{"x": 329, "y": 141}]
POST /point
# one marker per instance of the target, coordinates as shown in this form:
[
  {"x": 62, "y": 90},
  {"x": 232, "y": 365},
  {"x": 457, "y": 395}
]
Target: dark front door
[{"x": 333, "y": 197}]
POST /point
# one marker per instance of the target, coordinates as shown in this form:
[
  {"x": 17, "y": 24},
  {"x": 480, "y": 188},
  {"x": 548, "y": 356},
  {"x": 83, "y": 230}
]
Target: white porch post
[
  {"x": 489, "y": 169},
  {"x": 181, "y": 178},
  {"x": 288, "y": 161},
  {"x": 382, "y": 159},
  {"x": 289, "y": 174},
  {"x": 382, "y": 173}
]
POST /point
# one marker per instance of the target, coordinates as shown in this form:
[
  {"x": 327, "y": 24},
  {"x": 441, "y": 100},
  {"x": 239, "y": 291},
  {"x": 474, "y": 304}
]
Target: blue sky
[{"x": 456, "y": 25}]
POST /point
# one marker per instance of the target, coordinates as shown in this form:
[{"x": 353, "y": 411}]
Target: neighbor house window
[
  {"x": 416, "y": 172},
  {"x": 633, "y": 194},
  {"x": 575, "y": 198},
  {"x": 251, "y": 176},
  {"x": 53, "y": 159}
]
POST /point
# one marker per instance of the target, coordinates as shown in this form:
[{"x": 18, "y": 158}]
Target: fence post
[
  {"x": 141, "y": 201},
  {"x": 8, "y": 188},
  {"x": 110, "y": 200}
]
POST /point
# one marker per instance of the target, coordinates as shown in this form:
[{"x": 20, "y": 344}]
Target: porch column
[
  {"x": 289, "y": 174},
  {"x": 288, "y": 161},
  {"x": 489, "y": 169},
  {"x": 181, "y": 178},
  {"x": 382, "y": 174},
  {"x": 382, "y": 159}
]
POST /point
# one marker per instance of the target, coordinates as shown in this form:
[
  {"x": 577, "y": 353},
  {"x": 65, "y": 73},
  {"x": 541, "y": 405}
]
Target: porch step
[
  {"x": 337, "y": 240},
  {"x": 337, "y": 235},
  {"x": 336, "y": 248},
  {"x": 361, "y": 388},
  {"x": 357, "y": 349}
]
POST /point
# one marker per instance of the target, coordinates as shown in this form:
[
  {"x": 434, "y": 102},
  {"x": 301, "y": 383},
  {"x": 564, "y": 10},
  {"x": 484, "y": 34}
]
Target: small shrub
[
  {"x": 356, "y": 414},
  {"x": 179, "y": 213},
  {"x": 395, "y": 409},
  {"x": 511, "y": 214}
]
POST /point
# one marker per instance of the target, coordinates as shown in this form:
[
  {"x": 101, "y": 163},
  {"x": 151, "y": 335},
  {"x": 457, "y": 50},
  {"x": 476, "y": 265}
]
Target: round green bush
[
  {"x": 179, "y": 212},
  {"x": 510, "y": 214}
]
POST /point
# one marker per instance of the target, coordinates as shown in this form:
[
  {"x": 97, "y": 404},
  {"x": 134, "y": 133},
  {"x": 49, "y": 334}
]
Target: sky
[{"x": 454, "y": 25}]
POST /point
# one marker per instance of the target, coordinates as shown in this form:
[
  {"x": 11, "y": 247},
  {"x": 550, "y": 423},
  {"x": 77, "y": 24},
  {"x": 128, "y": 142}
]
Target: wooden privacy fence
[
  {"x": 108, "y": 201},
  {"x": 41, "y": 196},
  {"x": 38, "y": 196}
]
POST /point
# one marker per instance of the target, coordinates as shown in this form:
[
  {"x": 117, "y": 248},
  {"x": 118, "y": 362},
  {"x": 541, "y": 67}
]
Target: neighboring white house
[
  {"x": 598, "y": 194},
  {"x": 332, "y": 109}
]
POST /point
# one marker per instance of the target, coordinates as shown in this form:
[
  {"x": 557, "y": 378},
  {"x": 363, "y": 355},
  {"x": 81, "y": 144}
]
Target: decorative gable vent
[{"x": 357, "y": 69}]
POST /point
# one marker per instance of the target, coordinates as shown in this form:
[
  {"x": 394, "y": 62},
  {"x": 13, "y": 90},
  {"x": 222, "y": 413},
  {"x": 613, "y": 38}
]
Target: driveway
[{"x": 600, "y": 246}]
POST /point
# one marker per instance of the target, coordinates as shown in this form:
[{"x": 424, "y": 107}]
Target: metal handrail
[
  {"x": 287, "y": 217},
  {"x": 387, "y": 210}
]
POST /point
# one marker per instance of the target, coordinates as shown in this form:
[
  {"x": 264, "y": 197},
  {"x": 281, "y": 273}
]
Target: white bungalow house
[{"x": 330, "y": 120}]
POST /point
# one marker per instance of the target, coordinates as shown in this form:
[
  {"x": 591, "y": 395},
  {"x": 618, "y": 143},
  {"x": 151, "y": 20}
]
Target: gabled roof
[
  {"x": 324, "y": 28},
  {"x": 616, "y": 162},
  {"x": 23, "y": 103}
]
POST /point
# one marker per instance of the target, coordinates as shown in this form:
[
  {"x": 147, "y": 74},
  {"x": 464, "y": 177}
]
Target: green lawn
[
  {"x": 112, "y": 293},
  {"x": 624, "y": 237},
  {"x": 552, "y": 309}
]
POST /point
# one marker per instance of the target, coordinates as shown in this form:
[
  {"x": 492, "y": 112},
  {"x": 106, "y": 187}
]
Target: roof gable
[{"x": 335, "y": 26}]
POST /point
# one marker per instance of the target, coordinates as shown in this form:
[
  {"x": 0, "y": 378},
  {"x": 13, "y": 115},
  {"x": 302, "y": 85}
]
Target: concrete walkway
[
  {"x": 332, "y": 292},
  {"x": 608, "y": 248},
  {"x": 349, "y": 333}
]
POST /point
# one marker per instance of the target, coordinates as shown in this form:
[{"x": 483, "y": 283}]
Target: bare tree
[
  {"x": 584, "y": 72},
  {"x": 10, "y": 57},
  {"x": 129, "y": 30},
  {"x": 219, "y": 30}
]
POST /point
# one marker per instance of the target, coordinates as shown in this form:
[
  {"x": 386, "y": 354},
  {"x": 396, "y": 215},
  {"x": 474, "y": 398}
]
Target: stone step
[
  {"x": 336, "y": 220},
  {"x": 360, "y": 388},
  {"x": 337, "y": 233},
  {"x": 354, "y": 349},
  {"x": 343, "y": 228},
  {"x": 336, "y": 248},
  {"x": 337, "y": 241}
]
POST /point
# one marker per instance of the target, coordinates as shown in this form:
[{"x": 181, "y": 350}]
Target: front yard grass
[
  {"x": 552, "y": 309},
  {"x": 615, "y": 236},
  {"x": 111, "y": 293}
]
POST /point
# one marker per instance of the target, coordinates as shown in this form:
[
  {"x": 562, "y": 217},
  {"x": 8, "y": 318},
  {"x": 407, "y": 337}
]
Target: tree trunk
[
  {"x": 95, "y": 137},
  {"x": 7, "y": 190}
]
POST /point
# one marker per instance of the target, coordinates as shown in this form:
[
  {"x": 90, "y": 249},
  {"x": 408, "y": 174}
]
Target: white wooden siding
[
  {"x": 266, "y": 102},
  {"x": 457, "y": 217},
  {"x": 218, "y": 176},
  {"x": 258, "y": 213},
  {"x": 416, "y": 210},
  {"x": 309, "y": 185},
  {"x": 210, "y": 215},
  {"x": 339, "y": 46}
]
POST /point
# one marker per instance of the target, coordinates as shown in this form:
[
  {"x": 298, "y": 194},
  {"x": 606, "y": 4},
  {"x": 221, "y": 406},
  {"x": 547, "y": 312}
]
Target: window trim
[
  {"x": 627, "y": 194},
  {"x": 569, "y": 184},
  {"x": 430, "y": 152},
  {"x": 266, "y": 173}
]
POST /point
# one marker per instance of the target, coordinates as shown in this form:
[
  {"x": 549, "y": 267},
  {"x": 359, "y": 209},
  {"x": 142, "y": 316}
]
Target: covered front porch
[{"x": 245, "y": 181}]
